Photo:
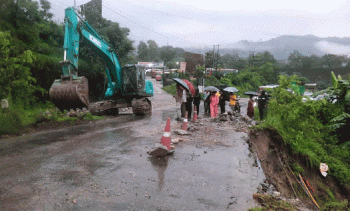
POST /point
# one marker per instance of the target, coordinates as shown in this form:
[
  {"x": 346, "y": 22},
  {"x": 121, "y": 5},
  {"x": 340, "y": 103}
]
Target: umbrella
[
  {"x": 190, "y": 86},
  {"x": 231, "y": 89},
  {"x": 211, "y": 89},
  {"x": 182, "y": 83},
  {"x": 251, "y": 93}
]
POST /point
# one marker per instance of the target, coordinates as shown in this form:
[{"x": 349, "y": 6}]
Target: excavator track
[
  {"x": 70, "y": 93},
  {"x": 142, "y": 106}
]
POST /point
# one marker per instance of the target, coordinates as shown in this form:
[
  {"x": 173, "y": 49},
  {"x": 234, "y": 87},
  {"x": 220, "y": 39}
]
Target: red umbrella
[{"x": 192, "y": 90}]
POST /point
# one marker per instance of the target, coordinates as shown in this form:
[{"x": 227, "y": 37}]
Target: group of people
[
  {"x": 213, "y": 99},
  {"x": 185, "y": 98},
  {"x": 262, "y": 105}
]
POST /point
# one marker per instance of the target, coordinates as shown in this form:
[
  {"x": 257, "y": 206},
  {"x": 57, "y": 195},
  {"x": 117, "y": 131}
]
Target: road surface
[{"x": 104, "y": 165}]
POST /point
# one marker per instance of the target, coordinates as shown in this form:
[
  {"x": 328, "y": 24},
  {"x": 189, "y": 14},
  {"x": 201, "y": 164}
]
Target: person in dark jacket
[
  {"x": 197, "y": 100},
  {"x": 207, "y": 102},
  {"x": 222, "y": 100},
  {"x": 189, "y": 104},
  {"x": 262, "y": 103}
]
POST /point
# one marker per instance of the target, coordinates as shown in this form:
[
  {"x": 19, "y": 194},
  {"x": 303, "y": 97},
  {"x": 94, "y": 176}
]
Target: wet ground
[{"x": 105, "y": 166}]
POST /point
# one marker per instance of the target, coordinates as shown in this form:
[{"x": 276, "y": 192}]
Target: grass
[
  {"x": 270, "y": 203},
  {"x": 17, "y": 119}
]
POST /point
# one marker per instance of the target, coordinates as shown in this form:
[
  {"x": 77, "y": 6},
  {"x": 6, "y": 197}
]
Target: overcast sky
[{"x": 198, "y": 23}]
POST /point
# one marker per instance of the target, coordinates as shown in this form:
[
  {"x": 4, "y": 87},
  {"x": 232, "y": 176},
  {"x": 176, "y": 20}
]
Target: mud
[{"x": 104, "y": 165}]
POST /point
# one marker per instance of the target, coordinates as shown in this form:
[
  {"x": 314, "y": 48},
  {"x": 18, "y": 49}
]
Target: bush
[
  {"x": 304, "y": 129},
  {"x": 10, "y": 122}
]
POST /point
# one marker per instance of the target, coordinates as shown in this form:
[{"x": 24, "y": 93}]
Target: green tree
[
  {"x": 295, "y": 59},
  {"x": 15, "y": 77},
  {"x": 153, "y": 51},
  {"x": 142, "y": 51},
  {"x": 167, "y": 53},
  {"x": 263, "y": 58},
  {"x": 46, "y": 6},
  {"x": 331, "y": 60}
]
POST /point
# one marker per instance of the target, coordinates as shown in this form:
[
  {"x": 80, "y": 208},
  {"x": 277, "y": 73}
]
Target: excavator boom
[{"x": 126, "y": 86}]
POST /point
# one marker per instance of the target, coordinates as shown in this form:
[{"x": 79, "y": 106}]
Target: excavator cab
[{"x": 134, "y": 81}]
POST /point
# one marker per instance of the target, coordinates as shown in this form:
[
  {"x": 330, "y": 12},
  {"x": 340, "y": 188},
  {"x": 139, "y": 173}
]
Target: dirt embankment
[{"x": 282, "y": 169}]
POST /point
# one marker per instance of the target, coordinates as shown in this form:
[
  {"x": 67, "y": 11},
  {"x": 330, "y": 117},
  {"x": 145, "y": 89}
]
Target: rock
[
  {"x": 158, "y": 152},
  {"x": 181, "y": 132},
  {"x": 275, "y": 193},
  {"x": 223, "y": 118},
  {"x": 175, "y": 140}
]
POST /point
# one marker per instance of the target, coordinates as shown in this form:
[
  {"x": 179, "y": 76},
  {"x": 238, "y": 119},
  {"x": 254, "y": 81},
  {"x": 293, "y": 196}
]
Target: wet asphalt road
[{"x": 105, "y": 166}]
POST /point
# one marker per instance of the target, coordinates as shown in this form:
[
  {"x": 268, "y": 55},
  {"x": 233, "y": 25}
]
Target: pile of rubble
[{"x": 78, "y": 112}]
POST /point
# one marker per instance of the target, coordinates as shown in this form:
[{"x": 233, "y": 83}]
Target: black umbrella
[
  {"x": 211, "y": 89},
  {"x": 251, "y": 93},
  {"x": 181, "y": 83}
]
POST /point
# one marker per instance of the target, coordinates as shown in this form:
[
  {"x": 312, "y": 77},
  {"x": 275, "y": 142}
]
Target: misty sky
[{"x": 194, "y": 23}]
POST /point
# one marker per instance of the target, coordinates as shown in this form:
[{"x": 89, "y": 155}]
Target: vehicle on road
[
  {"x": 158, "y": 77},
  {"x": 127, "y": 86}
]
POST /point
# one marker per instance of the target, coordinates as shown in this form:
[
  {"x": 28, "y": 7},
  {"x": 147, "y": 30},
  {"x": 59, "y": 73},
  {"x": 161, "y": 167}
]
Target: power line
[{"x": 147, "y": 28}]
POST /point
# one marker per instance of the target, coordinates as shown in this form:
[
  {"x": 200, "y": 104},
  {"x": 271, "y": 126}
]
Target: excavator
[{"x": 126, "y": 86}]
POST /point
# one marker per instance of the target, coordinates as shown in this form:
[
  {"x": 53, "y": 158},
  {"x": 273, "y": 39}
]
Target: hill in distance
[{"x": 281, "y": 47}]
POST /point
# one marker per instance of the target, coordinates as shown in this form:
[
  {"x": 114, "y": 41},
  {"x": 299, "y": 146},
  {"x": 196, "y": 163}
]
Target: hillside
[{"x": 281, "y": 47}]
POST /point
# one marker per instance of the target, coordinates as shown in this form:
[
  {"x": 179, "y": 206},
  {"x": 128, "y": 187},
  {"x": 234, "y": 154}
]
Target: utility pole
[
  {"x": 213, "y": 58},
  {"x": 215, "y": 64},
  {"x": 217, "y": 59}
]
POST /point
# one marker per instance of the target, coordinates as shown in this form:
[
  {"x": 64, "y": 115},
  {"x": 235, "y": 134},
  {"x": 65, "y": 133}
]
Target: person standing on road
[
  {"x": 262, "y": 102},
  {"x": 207, "y": 102},
  {"x": 250, "y": 108},
  {"x": 214, "y": 101},
  {"x": 181, "y": 97},
  {"x": 222, "y": 101},
  {"x": 197, "y": 100},
  {"x": 233, "y": 99},
  {"x": 189, "y": 104}
]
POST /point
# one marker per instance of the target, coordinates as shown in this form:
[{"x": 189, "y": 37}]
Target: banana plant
[{"x": 339, "y": 124}]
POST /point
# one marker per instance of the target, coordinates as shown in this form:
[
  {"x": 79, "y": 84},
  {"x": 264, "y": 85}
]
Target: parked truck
[{"x": 126, "y": 87}]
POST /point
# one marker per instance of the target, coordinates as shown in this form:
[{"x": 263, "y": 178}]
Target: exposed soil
[{"x": 276, "y": 160}]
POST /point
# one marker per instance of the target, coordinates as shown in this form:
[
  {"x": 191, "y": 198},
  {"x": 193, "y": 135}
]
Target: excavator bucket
[{"x": 70, "y": 93}]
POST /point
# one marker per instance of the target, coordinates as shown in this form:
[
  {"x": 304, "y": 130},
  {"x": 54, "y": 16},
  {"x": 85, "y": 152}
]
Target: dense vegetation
[{"x": 31, "y": 49}]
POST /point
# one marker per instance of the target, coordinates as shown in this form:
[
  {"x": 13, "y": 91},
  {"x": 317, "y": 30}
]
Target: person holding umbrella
[
  {"x": 250, "y": 108},
  {"x": 233, "y": 99},
  {"x": 222, "y": 101},
  {"x": 181, "y": 97},
  {"x": 189, "y": 104},
  {"x": 262, "y": 103}
]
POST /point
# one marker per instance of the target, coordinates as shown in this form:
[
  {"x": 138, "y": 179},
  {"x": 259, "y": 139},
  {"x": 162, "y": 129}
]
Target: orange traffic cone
[
  {"x": 195, "y": 114},
  {"x": 184, "y": 125},
  {"x": 166, "y": 139}
]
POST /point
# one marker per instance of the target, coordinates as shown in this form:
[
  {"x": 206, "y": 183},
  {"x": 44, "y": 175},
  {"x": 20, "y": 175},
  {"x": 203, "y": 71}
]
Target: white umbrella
[
  {"x": 211, "y": 89},
  {"x": 231, "y": 89}
]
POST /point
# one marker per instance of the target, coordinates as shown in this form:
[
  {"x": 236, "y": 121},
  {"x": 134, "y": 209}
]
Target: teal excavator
[{"x": 127, "y": 86}]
